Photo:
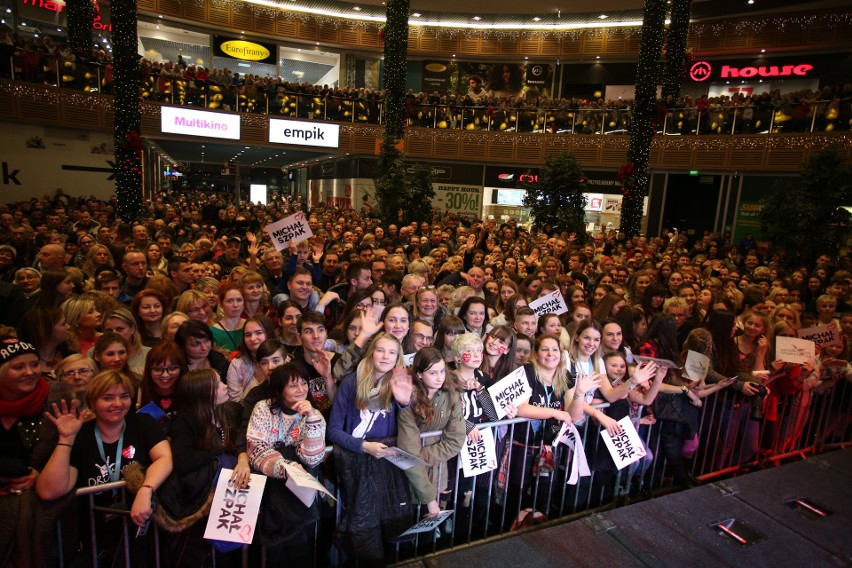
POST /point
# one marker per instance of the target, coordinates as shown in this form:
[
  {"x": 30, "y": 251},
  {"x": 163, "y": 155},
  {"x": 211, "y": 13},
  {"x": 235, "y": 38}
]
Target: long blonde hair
[{"x": 365, "y": 375}]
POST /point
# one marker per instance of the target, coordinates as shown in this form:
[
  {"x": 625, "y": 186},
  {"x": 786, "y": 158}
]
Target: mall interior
[{"x": 292, "y": 105}]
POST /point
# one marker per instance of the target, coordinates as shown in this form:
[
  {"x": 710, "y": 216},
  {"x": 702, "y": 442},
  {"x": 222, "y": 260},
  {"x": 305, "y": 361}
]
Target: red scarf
[{"x": 30, "y": 405}]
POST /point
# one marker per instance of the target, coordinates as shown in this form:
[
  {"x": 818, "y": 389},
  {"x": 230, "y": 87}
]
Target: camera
[{"x": 757, "y": 401}]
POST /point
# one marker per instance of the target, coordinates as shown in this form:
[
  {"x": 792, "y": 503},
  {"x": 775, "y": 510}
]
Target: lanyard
[{"x": 116, "y": 473}]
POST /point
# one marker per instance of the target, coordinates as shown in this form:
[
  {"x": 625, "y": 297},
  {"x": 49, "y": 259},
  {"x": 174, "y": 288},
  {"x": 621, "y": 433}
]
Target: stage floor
[{"x": 783, "y": 505}]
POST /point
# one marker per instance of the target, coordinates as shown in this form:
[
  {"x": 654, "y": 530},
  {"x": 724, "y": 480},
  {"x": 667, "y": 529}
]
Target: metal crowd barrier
[
  {"x": 92, "y": 77},
  {"x": 733, "y": 437}
]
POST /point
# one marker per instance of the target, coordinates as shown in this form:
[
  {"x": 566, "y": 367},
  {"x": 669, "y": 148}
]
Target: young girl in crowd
[
  {"x": 244, "y": 370},
  {"x": 148, "y": 307},
  {"x": 435, "y": 406},
  {"x": 499, "y": 353},
  {"x": 363, "y": 429},
  {"x": 165, "y": 366},
  {"x": 110, "y": 353},
  {"x": 449, "y": 329}
]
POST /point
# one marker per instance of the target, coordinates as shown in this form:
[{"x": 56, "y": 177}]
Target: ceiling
[{"x": 218, "y": 153}]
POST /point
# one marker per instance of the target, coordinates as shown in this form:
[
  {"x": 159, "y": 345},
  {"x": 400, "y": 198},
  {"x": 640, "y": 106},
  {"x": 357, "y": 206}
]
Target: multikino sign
[
  {"x": 200, "y": 123},
  {"x": 703, "y": 70},
  {"x": 298, "y": 133}
]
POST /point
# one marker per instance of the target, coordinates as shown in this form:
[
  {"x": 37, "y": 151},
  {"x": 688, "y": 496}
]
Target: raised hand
[
  {"x": 66, "y": 420},
  {"x": 585, "y": 383},
  {"x": 401, "y": 386}
]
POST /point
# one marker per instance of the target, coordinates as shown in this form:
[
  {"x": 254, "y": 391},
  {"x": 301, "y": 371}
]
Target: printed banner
[
  {"x": 303, "y": 484},
  {"x": 823, "y": 335},
  {"x": 552, "y": 303},
  {"x": 289, "y": 229},
  {"x": 428, "y": 523},
  {"x": 795, "y": 350},
  {"x": 626, "y": 447},
  {"x": 479, "y": 457},
  {"x": 233, "y": 514},
  {"x": 696, "y": 366},
  {"x": 403, "y": 460},
  {"x": 511, "y": 389}
]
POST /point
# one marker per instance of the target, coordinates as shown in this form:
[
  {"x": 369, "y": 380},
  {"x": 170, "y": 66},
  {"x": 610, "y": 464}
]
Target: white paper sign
[
  {"x": 479, "y": 457},
  {"x": 303, "y": 484},
  {"x": 403, "y": 460},
  {"x": 513, "y": 388},
  {"x": 625, "y": 448},
  {"x": 823, "y": 335},
  {"x": 696, "y": 366},
  {"x": 233, "y": 514},
  {"x": 408, "y": 359},
  {"x": 428, "y": 524},
  {"x": 794, "y": 350},
  {"x": 569, "y": 436},
  {"x": 289, "y": 229},
  {"x": 552, "y": 303}
]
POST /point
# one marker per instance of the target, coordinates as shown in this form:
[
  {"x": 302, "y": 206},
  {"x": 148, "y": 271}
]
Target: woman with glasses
[
  {"x": 244, "y": 371},
  {"x": 165, "y": 366},
  {"x": 195, "y": 304},
  {"x": 76, "y": 371}
]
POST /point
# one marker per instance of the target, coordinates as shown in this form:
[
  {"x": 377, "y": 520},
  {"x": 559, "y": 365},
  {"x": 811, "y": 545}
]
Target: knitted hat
[{"x": 11, "y": 347}]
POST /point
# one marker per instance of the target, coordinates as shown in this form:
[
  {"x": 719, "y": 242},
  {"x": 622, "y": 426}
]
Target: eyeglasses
[
  {"x": 171, "y": 369},
  {"x": 424, "y": 338},
  {"x": 198, "y": 310},
  {"x": 78, "y": 373}
]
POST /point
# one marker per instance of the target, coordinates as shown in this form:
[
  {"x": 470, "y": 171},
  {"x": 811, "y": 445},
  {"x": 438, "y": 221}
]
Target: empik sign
[{"x": 299, "y": 133}]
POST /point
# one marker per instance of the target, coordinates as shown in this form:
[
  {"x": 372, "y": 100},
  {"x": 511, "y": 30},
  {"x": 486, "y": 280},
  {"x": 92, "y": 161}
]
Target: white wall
[{"x": 36, "y": 172}]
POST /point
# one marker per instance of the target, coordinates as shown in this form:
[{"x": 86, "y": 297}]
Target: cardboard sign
[
  {"x": 303, "y": 485},
  {"x": 511, "y": 389},
  {"x": 428, "y": 524},
  {"x": 795, "y": 350},
  {"x": 569, "y": 436},
  {"x": 233, "y": 514},
  {"x": 552, "y": 303},
  {"x": 696, "y": 366},
  {"x": 289, "y": 229},
  {"x": 479, "y": 457},
  {"x": 403, "y": 460},
  {"x": 664, "y": 363},
  {"x": 823, "y": 335},
  {"x": 625, "y": 448}
]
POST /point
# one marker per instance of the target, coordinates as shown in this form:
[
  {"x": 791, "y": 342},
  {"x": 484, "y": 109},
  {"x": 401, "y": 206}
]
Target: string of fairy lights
[
  {"x": 676, "y": 48},
  {"x": 127, "y": 110},
  {"x": 634, "y": 174}
]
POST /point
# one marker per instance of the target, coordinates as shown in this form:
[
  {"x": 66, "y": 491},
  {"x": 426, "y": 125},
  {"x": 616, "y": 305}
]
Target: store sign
[
  {"x": 245, "y": 50},
  {"x": 702, "y": 70},
  {"x": 299, "y": 133},
  {"x": 57, "y": 11},
  {"x": 200, "y": 123}
]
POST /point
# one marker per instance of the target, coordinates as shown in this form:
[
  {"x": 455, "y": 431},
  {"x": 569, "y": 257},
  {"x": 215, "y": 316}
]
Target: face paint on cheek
[
  {"x": 467, "y": 357},
  {"x": 502, "y": 349}
]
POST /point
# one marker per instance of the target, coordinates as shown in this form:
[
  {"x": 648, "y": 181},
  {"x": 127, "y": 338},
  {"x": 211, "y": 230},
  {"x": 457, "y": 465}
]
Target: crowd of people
[
  {"x": 162, "y": 350},
  {"x": 41, "y": 60}
]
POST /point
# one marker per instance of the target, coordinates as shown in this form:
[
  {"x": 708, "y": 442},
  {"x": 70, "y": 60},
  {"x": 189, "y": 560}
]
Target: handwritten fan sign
[
  {"x": 697, "y": 365},
  {"x": 289, "y": 229},
  {"x": 403, "y": 460},
  {"x": 795, "y": 350},
  {"x": 303, "y": 485},
  {"x": 428, "y": 523},
  {"x": 552, "y": 303},
  {"x": 233, "y": 514},
  {"x": 822, "y": 336},
  {"x": 625, "y": 448},
  {"x": 511, "y": 389},
  {"x": 479, "y": 457}
]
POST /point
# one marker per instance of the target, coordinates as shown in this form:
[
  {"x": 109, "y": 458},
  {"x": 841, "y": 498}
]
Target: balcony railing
[{"x": 795, "y": 117}]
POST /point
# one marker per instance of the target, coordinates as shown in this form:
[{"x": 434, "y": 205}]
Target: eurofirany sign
[
  {"x": 299, "y": 133},
  {"x": 177, "y": 120},
  {"x": 704, "y": 70}
]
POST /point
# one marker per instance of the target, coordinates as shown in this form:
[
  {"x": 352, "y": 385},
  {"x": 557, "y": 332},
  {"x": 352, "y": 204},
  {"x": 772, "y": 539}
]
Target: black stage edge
[{"x": 784, "y": 505}]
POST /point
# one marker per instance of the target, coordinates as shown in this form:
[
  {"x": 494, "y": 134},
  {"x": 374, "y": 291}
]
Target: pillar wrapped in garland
[
  {"x": 643, "y": 121},
  {"x": 80, "y": 15},
  {"x": 128, "y": 116},
  {"x": 676, "y": 48}
]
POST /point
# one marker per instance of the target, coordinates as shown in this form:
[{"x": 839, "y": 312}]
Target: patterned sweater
[{"x": 306, "y": 434}]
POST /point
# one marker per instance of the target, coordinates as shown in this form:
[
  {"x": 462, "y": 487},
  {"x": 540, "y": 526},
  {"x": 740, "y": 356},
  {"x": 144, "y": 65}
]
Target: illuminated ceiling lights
[{"x": 476, "y": 25}]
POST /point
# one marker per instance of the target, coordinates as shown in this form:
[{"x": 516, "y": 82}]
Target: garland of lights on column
[
  {"x": 128, "y": 116},
  {"x": 676, "y": 48},
  {"x": 395, "y": 35},
  {"x": 80, "y": 15},
  {"x": 634, "y": 175}
]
